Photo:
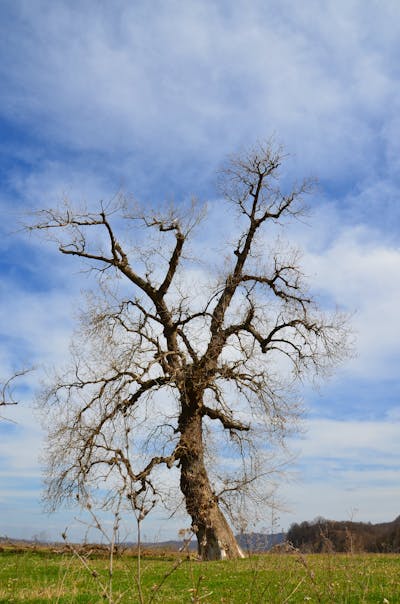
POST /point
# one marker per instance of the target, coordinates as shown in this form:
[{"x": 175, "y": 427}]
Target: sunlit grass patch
[{"x": 46, "y": 576}]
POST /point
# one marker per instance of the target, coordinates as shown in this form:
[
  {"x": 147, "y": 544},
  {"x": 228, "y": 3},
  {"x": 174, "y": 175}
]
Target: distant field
[{"x": 45, "y": 576}]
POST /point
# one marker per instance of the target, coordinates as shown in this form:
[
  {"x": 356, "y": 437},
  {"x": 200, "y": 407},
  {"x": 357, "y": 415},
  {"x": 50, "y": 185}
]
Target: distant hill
[
  {"x": 259, "y": 542},
  {"x": 249, "y": 542},
  {"x": 323, "y": 535}
]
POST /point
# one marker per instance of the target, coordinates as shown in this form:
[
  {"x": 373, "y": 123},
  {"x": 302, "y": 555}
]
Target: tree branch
[
  {"x": 227, "y": 422},
  {"x": 173, "y": 263}
]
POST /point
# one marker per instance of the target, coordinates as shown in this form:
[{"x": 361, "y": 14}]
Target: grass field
[{"x": 46, "y": 576}]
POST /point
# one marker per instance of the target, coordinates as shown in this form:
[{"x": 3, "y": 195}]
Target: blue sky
[{"x": 150, "y": 98}]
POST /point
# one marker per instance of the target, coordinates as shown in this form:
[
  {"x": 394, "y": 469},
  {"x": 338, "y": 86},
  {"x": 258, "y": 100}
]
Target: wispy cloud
[
  {"x": 149, "y": 98},
  {"x": 104, "y": 80},
  {"x": 360, "y": 271},
  {"x": 346, "y": 468}
]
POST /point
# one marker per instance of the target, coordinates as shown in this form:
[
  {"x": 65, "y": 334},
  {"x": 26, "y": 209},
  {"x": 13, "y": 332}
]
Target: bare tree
[{"x": 163, "y": 361}]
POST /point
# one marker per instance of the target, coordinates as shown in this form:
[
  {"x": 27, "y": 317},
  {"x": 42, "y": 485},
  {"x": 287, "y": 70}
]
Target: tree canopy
[{"x": 185, "y": 366}]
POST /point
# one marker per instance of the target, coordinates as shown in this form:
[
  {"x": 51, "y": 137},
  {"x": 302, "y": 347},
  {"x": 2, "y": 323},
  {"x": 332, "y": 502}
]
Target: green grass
[{"x": 45, "y": 576}]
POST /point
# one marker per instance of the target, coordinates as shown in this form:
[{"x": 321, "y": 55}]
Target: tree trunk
[{"x": 215, "y": 538}]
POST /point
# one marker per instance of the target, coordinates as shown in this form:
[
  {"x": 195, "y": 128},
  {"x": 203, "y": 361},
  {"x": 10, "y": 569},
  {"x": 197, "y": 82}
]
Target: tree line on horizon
[{"x": 324, "y": 536}]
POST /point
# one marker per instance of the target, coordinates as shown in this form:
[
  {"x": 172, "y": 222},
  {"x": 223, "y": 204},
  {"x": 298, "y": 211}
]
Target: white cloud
[
  {"x": 361, "y": 273},
  {"x": 366, "y": 504},
  {"x": 345, "y": 467},
  {"x": 37, "y": 325},
  {"x": 220, "y": 77},
  {"x": 367, "y": 442}
]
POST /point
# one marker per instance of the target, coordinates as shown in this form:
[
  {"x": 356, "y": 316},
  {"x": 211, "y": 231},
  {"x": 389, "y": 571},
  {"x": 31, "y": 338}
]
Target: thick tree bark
[{"x": 215, "y": 538}]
